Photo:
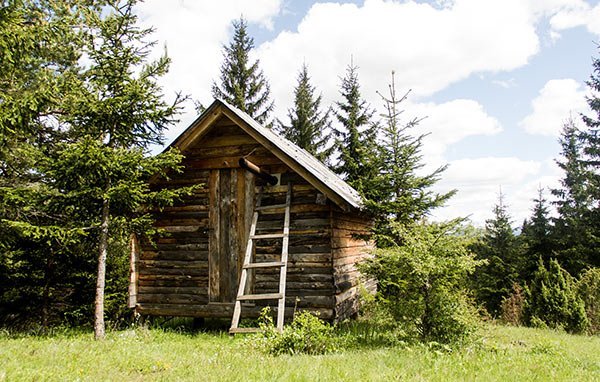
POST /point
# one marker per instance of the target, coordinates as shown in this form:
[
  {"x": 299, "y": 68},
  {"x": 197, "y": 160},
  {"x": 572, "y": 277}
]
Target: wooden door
[{"x": 230, "y": 213}]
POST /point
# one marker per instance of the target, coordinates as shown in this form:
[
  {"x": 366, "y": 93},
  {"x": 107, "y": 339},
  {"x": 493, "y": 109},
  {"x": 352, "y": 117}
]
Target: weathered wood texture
[
  {"x": 193, "y": 270},
  {"x": 349, "y": 247}
]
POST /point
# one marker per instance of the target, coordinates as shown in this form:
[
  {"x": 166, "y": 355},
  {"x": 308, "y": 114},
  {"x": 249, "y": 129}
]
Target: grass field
[{"x": 501, "y": 354}]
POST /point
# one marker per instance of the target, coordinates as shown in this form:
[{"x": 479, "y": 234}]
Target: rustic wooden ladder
[{"x": 248, "y": 264}]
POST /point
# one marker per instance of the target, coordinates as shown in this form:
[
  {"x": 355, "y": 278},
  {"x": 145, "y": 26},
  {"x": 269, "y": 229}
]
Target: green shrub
[
  {"x": 306, "y": 334},
  {"x": 588, "y": 289},
  {"x": 423, "y": 283},
  {"x": 551, "y": 300},
  {"x": 512, "y": 306}
]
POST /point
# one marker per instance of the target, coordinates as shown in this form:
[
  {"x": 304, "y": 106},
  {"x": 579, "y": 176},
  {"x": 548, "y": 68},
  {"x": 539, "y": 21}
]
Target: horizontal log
[
  {"x": 200, "y": 280},
  {"x": 293, "y": 288},
  {"x": 173, "y": 298},
  {"x": 150, "y": 272},
  {"x": 230, "y": 140},
  {"x": 218, "y": 311},
  {"x": 178, "y": 264},
  {"x": 216, "y": 152},
  {"x": 350, "y": 252},
  {"x": 230, "y": 162},
  {"x": 173, "y": 282},
  {"x": 177, "y": 255},
  {"x": 173, "y": 290}
]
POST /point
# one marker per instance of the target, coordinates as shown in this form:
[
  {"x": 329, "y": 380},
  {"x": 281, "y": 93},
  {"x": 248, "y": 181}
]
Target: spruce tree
[
  {"x": 242, "y": 83},
  {"x": 573, "y": 232},
  {"x": 499, "y": 247},
  {"x": 355, "y": 138},
  {"x": 39, "y": 51},
  {"x": 591, "y": 149},
  {"x": 400, "y": 194},
  {"x": 536, "y": 236},
  {"x": 308, "y": 124}
]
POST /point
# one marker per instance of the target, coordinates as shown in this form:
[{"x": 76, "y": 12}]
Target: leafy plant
[
  {"x": 306, "y": 334},
  {"x": 422, "y": 283},
  {"x": 588, "y": 289},
  {"x": 551, "y": 300}
]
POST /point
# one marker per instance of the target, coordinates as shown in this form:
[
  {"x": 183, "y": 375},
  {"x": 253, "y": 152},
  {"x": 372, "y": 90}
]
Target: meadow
[{"x": 499, "y": 354}]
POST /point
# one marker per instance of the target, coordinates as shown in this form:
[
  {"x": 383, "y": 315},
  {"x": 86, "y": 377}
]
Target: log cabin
[{"x": 194, "y": 267}]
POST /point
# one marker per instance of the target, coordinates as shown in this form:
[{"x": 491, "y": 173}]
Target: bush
[
  {"x": 588, "y": 289},
  {"x": 307, "y": 334},
  {"x": 512, "y": 306},
  {"x": 551, "y": 300},
  {"x": 423, "y": 282}
]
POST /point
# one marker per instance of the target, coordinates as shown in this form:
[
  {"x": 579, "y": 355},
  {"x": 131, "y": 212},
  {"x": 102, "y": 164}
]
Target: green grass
[{"x": 502, "y": 353}]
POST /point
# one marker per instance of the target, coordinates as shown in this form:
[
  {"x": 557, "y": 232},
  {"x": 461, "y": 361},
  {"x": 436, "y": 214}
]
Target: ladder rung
[
  {"x": 271, "y": 207},
  {"x": 264, "y": 296},
  {"x": 268, "y": 236},
  {"x": 265, "y": 264},
  {"x": 243, "y": 330}
]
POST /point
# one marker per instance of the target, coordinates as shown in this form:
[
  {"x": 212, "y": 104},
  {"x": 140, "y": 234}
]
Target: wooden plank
[
  {"x": 214, "y": 236},
  {"x": 229, "y": 140},
  {"x": 133, "y": 271},
  {"x": 230, "y": 162},
  {"x": 224, "y": 232},
  {"x": 271, "y": 264},
  {"x": 233, "y": 249},
  {"x": 263, "y": 296}
]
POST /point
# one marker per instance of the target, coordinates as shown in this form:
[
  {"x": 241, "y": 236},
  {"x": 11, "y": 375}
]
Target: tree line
[{"x": 80, "y": 105}]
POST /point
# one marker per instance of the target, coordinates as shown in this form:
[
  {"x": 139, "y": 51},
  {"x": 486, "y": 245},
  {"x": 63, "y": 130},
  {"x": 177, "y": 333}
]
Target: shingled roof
[{"x": 298, "y": 159}]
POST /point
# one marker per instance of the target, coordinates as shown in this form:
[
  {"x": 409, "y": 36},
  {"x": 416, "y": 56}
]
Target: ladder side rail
[{"x": 284, "y": 259}]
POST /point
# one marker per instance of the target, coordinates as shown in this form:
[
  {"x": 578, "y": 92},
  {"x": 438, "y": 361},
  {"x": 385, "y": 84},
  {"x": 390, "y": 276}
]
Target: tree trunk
[{"x": 99, "y": 329}]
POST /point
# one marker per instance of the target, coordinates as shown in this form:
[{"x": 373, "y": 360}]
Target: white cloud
[
  {"x": 480, "y": 180},
  {"x": 577, "y": 13},
  {"x": 450, "y": 122},
  {"x": 194, "y": 33},
  {"x": 557, "y": 101},
  {"x": 428, "y": 47}
]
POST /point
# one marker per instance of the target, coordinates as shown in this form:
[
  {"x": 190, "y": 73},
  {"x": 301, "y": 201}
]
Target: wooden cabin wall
[
  {"x": 186, "y": 273},
  {"x": 349, "y": 248}
]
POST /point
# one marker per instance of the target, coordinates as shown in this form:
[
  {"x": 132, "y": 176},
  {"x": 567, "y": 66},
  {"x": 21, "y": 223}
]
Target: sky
[{"x": 494, "y": 79}]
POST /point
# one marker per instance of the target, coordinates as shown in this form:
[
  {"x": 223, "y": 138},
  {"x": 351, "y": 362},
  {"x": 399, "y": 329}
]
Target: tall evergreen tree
[
  {"x": 355, "y": 139},
  {"x": 401, "y": 194},
  {"x": 573, "y": 202},
  {"x": 499, "y": 247},
  {"x": 243, "y": 83},
  {"x": 536, "y": 236},
  {"x": 308, "y": 124},
  {"x": 591, "y": 150},
  {"x": 100, "y": 175}
]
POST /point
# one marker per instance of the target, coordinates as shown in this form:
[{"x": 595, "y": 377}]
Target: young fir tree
[
  {"x": 243, "y": 84},
  {"x": 536, "y": 236},
  {"x": 499, "y": 247},
  {"x": 100, "y": 175},
  {"x": 308, "y": 124},
  {"x": 573, "y": 232},
  {"x": 402, "y": 195},
  {"x": 355, "y": 139},
  {"x": 551, "y": 300}
]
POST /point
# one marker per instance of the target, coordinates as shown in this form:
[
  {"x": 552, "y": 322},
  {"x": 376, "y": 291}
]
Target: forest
[{"x": 81, "y": 106}]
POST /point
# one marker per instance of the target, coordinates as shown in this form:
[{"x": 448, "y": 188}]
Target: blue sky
[{"x": 495, "y": 78}]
